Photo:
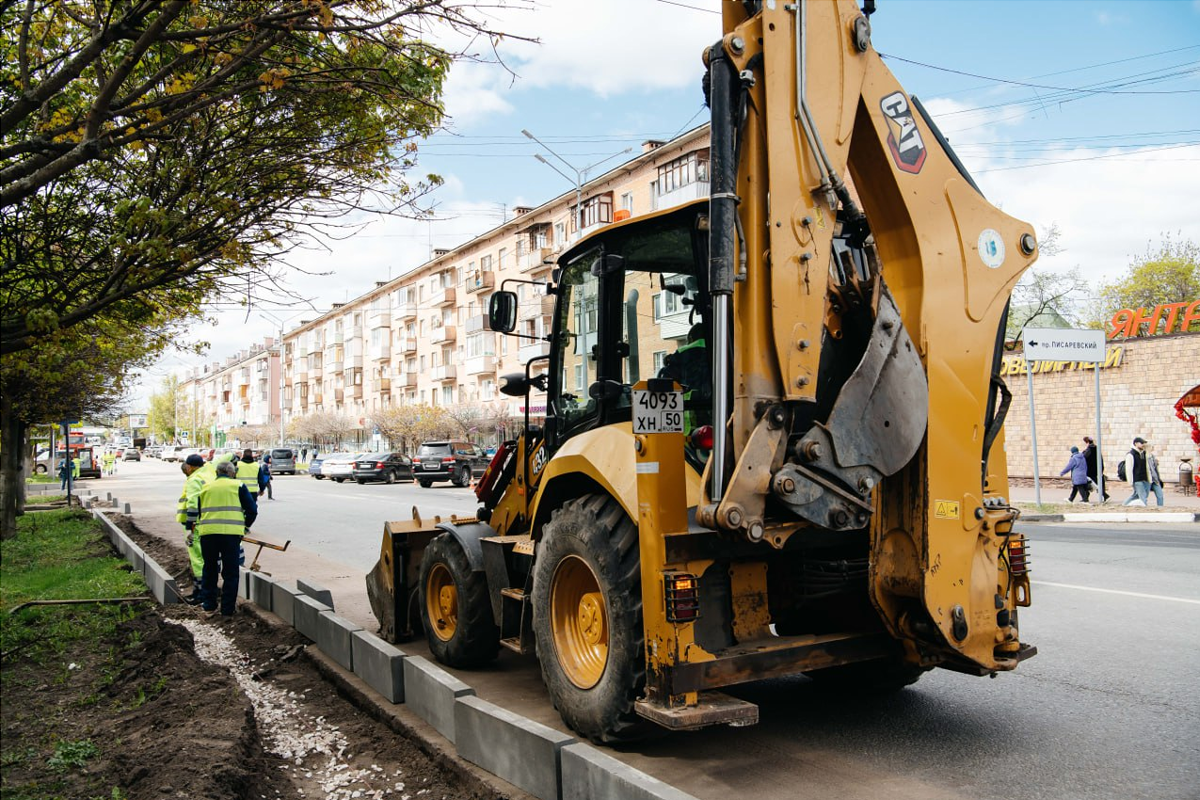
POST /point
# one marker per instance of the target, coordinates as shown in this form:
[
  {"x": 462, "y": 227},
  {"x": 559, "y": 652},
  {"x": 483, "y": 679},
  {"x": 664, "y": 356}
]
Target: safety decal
[
  {"x": 991, "y": 248},
  {"x": 904, "y": 140},
  {"x": 945, "y": 509}
]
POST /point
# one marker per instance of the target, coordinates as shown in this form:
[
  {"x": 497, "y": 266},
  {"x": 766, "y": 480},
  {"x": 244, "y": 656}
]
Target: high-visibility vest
[
  {"x": 191, "y": 491},
  {"x": 220, "y": 509},
  {"x": 247, "y": 473}
]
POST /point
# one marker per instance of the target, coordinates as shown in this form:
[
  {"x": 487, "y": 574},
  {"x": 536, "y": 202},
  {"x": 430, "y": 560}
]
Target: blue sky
[{"x": 1114, "y": 168}]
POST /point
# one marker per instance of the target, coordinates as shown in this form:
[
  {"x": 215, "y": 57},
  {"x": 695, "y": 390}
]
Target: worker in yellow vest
[
  {"x": 226, "y": 512},
  {"x": 247, "y": 472},
  {"x": 193, "y": 468},
  {"x": 109, "y": 460}
]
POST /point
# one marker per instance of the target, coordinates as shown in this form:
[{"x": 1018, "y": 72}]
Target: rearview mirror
[{"x": 502, "y": 312}]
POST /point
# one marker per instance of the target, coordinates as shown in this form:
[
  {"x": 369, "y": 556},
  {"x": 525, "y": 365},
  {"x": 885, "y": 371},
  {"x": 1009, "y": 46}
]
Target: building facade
[
  {"x": 238, "y": 393},
  {"x": 423, "y": 338}
]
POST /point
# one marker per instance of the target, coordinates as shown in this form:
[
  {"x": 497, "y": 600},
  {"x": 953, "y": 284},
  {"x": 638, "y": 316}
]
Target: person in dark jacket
[
  {"x": 1077, "y": 466},
  {"x": 1089, "y": 457}
]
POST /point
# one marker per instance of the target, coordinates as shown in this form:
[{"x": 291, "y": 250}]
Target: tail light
[
  {"x": 702, "y": 437},
  {"x": 448, "y": 460},
  {"x": 1018, "y": 556},
  {"x": 379, "y": 465},
  {"x": 682, "y": 595}
]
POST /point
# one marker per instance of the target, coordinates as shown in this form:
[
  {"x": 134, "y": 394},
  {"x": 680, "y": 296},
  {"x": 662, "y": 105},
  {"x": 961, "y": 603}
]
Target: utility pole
[{"x": 579, "y": 175}]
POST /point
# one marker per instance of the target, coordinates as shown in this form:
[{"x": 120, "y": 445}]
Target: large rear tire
[
  {"x": 880, "y": 676},
  {"x": 587, "y": 619},
  {"x": 455, "y": 608}
]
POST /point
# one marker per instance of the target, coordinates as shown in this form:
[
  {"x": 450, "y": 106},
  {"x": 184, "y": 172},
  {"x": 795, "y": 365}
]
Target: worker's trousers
[{"x": 221, "y": 551}]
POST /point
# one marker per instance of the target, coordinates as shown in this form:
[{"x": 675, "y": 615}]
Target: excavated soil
[{"x": 180, "y": 706}]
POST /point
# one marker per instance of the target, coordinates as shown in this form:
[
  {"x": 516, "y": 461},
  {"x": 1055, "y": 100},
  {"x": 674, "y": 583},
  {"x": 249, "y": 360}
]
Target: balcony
[
  {"x": 533, "y": 261},
  {"x": 356, "y": 391},
  {"x": 287, "y": 404},
  {"x": 383, "y": 385},
  {"x": 680, "y": 195},
  {"x": 339, "y": 396},
  {"x": 354, "y": 333},
  {"x": 383, "y": 353},
  {"x": 335, "y": 367},
  {"x": 537, "y": 307},
  {"x": 444, "y": 297},
  {"x": 479, "y": 280},
  {"x": 477, "y": 324},
  {"x": 406, "y": 310},
  {"x": 316, "y": 371},
  {"x": 445, "y": 372},
  {"x": 409, "y": 345},
  {"x": 533, "y": 351},
  {"x": 334, "y": 339},
  {"x": 380, "y": 319},
  {"x": 352, "y": 362},
  {"x": 480, "y": 365},
  {"x": 408, "y": 380},
  {"x": 443, "y": 335}
]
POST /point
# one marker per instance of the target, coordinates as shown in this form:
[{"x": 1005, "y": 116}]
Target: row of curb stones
[
  {"x": 1115, "y": 516},
  {"x": 533, "y": 757}
]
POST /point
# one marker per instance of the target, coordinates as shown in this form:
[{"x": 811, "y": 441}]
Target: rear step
[{"x": 713, "y": 708}]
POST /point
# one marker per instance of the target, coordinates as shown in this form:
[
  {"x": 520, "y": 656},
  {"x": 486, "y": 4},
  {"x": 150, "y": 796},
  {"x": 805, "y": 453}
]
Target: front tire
[
  {"x": 455, "y": 608},
  {"x": 389, "y": 477},
  {"x": 587, "y": 602}
]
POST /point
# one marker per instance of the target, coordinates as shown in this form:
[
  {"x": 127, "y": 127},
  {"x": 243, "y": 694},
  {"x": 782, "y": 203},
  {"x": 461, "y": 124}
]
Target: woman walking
[{"x": 1077, "y": 466}]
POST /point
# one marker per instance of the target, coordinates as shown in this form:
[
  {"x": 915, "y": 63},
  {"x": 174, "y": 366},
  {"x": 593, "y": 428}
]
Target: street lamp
[
  {"x": 280, "y": 322},
  {"x": 579, "y": 175}
]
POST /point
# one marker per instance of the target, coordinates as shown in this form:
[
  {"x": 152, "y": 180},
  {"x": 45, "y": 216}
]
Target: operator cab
[{"x": 632, "y": 304}]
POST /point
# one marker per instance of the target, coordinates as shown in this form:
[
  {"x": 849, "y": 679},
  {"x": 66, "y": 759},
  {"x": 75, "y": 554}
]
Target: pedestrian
[
  {"x": 186, "y": 514},
  {"x": 248, "y": 472},
  {"x": 1136, "y": 472},
  {"x": 304, "y": 454},
  {"x": 227, "y": 510},
  {"x": 264, "y": 478},
  {"x": 1089, "y": 456},
  {"x": 1079, "y": 477},
  {"x": 1156, "y": 484},
  {"x": 64, "y": 473},
  {"x": 110, "y": 462}
]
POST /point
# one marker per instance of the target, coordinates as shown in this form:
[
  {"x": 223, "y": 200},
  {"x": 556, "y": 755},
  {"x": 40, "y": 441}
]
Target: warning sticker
[{"x": 945, "y": 509}]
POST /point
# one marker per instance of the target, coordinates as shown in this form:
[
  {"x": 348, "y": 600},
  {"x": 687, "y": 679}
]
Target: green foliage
[
  {"x": 72, "y": 755},
  {"x": 60, "y": 555},
  {"x": 1169, "y": 273},
  {"x": 197, "y": 144}
]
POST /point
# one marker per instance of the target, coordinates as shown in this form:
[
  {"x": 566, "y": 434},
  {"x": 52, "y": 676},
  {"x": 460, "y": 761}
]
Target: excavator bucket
[{"x": 392, "y": 584}]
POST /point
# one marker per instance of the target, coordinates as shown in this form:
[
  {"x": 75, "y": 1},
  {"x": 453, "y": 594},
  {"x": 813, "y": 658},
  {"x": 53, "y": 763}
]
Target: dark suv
[
  {"x": 448, "y": 461},
  {"x": 386, "y": 467}
]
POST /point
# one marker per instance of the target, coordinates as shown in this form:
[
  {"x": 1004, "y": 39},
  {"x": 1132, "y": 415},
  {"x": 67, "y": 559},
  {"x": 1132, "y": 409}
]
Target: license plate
[
  {"x": 432, "y": 466},
  {"x": 657, "y": 412}
]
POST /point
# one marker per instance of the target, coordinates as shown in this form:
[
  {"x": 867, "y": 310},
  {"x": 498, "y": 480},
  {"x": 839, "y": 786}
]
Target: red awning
[{"x": 1190, "y": 399}]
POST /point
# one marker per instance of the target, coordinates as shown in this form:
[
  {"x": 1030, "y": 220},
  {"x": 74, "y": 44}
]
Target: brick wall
[{"x": 1137, "y": 398}]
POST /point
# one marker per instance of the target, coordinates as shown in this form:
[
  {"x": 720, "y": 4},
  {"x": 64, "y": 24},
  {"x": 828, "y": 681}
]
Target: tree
[
  {"x": 1044, "y": 297},
  {"x": 1168, "y": 274},
  {"x": 164, "y": 417},
  {"x": 155, "y": 152},
  {"x": 73, "y": 374}
]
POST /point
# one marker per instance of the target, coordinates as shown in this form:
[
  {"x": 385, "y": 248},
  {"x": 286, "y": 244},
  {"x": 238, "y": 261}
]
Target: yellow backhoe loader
[{"x": 801, "y": 469}]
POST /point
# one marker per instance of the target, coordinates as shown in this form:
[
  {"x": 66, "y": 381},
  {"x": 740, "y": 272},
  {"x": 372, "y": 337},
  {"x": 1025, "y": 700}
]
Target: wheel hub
[{"x": 579, "y": 616}]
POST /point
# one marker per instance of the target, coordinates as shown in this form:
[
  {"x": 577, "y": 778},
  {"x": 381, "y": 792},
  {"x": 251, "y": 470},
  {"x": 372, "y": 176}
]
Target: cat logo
[
  {"x": 945, "y": 509},
  {"x": 904, "y": 140}
]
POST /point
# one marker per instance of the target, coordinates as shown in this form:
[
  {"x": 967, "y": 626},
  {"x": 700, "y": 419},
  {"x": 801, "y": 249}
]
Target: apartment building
[
  {"x": 243, "y": 390},
  {"x": 423, "y": 338}
]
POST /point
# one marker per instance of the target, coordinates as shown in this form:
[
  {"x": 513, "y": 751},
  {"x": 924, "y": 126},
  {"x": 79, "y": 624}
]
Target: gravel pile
[{"x": 316, "y": 753}]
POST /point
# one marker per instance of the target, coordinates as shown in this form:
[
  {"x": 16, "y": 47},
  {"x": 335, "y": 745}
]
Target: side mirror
[
  {"x": 513, "y": 385},
  {"x": 502, "y": 313}
]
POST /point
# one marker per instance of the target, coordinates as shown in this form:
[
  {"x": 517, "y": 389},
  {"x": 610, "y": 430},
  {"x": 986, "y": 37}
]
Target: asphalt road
[{"x": 1108, "y": 709}]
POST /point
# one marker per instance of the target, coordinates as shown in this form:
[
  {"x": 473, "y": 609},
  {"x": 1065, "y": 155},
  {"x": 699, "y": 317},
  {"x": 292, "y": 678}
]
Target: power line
[{"x": 1088, "y": 158}]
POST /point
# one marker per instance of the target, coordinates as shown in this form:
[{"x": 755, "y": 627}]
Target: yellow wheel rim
[
  {"x": 579, "y": 620},
  {"x": 441, "y": 602}
]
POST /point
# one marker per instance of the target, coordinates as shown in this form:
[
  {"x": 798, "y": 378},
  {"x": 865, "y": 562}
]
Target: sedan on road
[
  {"x": 314, "y": 467},
  {"x": 131, "y": 454},
  {"x": 339, "y": 466},
  {"x": 386, "y": 467}
]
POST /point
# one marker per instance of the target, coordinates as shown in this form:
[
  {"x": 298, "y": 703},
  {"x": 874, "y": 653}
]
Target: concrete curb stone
[
  {"x": 261, "y": 593},
  {"x": 379, "y": 664},
  {"x": 162, "y": 585},
  {"x": 430, "y": 693},
  {"x": 316, "y": 591},
  {"x": 589, "y": 773},
  {"x": 335, "y": 638},
  {"x": 243, "y": 583},
  {"x": 283, "y": 602},
  {"x": 525, "y": 753},
  {"x": 308, "y": 612}
]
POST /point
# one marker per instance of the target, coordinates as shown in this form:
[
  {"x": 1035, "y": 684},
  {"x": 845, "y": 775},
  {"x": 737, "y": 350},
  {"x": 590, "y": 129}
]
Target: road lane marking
[{"x": 1118, "y": 591}]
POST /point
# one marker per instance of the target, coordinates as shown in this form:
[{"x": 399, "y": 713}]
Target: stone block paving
[
  {"x": 379, "y": 664},
  {"x": 308, "y": 613},
  {"x": 431, "y": 692},
  {"x": 335, "y": 636},
  {"x": 523, "y": 752}
]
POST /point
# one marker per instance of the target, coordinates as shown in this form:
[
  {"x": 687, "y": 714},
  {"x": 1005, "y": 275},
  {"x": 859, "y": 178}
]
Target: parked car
[
  {"x": 42, "y": 462},
  {"x": 283, "y": 461},
  {"x": 170, "y": 453},
  {"x": 153, "y": 451},
  {"x": 131, "y": 454},
  {"x": 339, "y": 466},
  {"x": 386, "y": 467},
  {"x": 452, "y": 461},
  {"x": 314, "y": 467},
  {"x": 184, "y": 452}
]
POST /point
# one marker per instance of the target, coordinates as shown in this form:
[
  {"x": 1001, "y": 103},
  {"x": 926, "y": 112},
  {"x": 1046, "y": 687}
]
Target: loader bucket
[{"x": 392, "y": 583}]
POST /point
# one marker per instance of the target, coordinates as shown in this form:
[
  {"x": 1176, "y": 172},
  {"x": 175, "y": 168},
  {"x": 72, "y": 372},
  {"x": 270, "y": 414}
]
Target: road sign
[{"x": 1064, "y": 344}]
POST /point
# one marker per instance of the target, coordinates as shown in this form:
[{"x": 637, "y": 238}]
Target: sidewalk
[{"x": 1055, "y": 508}]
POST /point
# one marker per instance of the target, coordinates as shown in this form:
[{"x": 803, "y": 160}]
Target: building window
[
  {"x": 560, "y": 233},
  {"x": 503, "y": 259},
  {"x": 665, "y": 304},
  {"x": 627, "y": 202},
  {"x": 448, "y": 395},
  {"x": 659, "y": 357},
  {"x": 597, "y": 210},
  {"x": 485, "y": 263},
  {"x": 682, "y": 171}
]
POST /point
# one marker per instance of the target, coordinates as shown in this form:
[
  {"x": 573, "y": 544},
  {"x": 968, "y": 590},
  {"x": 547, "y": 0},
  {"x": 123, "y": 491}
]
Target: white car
[
  {"x": 169, "y": 453},
  {"x": 339, "y": 466}
]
